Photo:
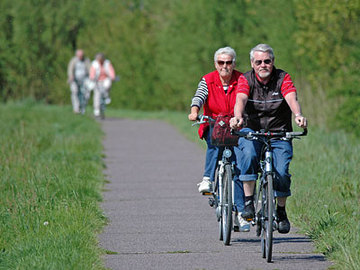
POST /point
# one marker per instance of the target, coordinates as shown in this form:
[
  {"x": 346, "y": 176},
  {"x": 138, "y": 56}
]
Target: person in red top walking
[
  {"x": 266, "y": 99},
  {"x": 216, "y": 94}
]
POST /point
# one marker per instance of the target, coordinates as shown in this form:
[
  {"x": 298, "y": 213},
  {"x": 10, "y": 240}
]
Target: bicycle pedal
[
  {"x": 212, "y": 202},
  {"x": 206, "y": 193}
]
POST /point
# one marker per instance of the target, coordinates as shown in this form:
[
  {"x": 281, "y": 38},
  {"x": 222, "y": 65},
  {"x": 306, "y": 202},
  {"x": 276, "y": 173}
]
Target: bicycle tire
[
  {"x": 262, "y": 194},
  {"x": 82, "y": 102},
  {"x": 270, "y": 217},
  {"x": 102, "y": 108},
  {"x": 227, "y": 205},
  {"x": 258, "y": 207}
]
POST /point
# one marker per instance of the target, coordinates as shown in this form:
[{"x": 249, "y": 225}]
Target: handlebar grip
[{"x": 299, "y": 133}]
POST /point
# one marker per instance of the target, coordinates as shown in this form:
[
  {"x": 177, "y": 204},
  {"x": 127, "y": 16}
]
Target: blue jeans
[
  {"x": 213, "y": 154},
  {"x": 249, "y": 159}
]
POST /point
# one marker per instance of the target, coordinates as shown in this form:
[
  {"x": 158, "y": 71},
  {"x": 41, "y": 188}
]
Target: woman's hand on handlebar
[
  {"x": 193, "y": 116},
  {"x": 236, "y": 122}
]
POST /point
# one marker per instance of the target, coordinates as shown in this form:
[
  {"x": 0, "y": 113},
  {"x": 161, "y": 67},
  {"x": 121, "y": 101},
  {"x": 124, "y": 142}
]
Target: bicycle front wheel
[
  {"x": 269, "y": 221},
  {"x": 102, "y": 108},
  {"x": 227, "y": 205}
]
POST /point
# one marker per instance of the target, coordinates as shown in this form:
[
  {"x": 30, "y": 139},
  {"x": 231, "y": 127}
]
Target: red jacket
[{"x": 217, "y": 101}]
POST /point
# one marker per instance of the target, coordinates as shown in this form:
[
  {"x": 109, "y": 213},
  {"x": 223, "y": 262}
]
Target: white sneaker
[
  {"x": 205, "y": 185},
  {"x": 244, "y": 225},
  {"x": 96, "y": 113}
]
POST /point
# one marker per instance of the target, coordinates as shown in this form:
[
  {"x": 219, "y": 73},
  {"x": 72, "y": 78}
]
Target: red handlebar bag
[{"x": 221, "y": 132}]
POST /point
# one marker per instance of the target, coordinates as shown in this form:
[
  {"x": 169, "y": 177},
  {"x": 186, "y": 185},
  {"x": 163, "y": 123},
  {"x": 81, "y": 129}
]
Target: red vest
[{"x": 217, "y": 101}]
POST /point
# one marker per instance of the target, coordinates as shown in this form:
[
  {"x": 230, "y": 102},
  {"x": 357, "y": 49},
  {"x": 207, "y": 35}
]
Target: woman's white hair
[{"x": 226, "y": 50}]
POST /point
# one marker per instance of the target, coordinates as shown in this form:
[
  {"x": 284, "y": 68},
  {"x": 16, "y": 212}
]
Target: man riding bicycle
[
  {"x": 266, "y": 98},
  {"x": 216, "y": 94}
]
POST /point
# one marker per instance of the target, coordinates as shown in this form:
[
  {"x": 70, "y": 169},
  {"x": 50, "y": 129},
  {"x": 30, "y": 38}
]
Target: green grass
[
  {"x": 51, "y": 182},
  {"x": 326, "y": 196},
  {"x": 51, "y": 177}
]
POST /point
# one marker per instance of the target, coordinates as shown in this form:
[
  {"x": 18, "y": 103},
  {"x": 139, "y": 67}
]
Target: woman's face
[{"x": 224, "y": 65}]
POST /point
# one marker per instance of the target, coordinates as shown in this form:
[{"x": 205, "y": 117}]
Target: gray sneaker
[{"x": 240, "y": 224}]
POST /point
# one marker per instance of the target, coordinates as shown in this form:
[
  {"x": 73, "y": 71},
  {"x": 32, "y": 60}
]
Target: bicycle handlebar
[
  {"x": 268, "y": 134},
  {"x": 202, "y": 119}
]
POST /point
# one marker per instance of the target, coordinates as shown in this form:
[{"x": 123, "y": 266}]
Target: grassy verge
[
  {"x": 327, "y": 194},
  {"x": 51, "y": 178},
  {"x": 325, "y": 186}
]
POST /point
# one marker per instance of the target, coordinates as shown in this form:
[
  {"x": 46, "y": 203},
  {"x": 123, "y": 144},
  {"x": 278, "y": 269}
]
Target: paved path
[{"x": 158, "y": 220}]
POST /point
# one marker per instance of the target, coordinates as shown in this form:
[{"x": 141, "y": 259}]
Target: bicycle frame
[
  {"x": 265, "y": 217},
  {"x": 220, "y": 194},
  {"x": 101, "y": 89}
]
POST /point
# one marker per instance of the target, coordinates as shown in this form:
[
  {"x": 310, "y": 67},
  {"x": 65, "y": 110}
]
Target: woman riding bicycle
[
  {"x": 266, "y": 98},
  {"x": 216, "y": 94},
  {"x": 103, "y": 74}
]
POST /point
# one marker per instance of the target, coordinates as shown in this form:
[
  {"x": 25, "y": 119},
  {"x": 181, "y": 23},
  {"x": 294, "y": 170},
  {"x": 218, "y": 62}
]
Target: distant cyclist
[
  {"x": 216, "y": 93},
  {"x": 266, "y": 98},
  {"x": 78, "y": 73},
  {"x": 103, "y": 74}
]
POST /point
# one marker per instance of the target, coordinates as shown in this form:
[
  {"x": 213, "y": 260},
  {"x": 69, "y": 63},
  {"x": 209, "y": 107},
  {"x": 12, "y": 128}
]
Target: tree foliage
[{"x": 161, "y": 48}]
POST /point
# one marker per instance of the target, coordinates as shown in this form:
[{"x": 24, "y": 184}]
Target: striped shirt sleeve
[
  {"x": 287, "y": 86},
  {"x": 201, "y": 94},
  {"x": 243, "y": 86}
]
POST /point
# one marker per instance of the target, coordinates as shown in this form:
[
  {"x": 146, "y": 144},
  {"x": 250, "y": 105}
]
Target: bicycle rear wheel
[
  {"x": 227, "y": 206},
  {"x": 269, "y": 221}
]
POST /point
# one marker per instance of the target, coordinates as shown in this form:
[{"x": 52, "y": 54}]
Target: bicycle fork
[
  {"x": 268, "y": 168},
  {"x": 220, "y": 189}
]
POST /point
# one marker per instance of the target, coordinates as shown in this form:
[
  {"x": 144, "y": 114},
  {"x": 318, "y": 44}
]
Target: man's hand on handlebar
[
  {"x": 301, "y": 121},
  {"x": 236, "y": 122}
]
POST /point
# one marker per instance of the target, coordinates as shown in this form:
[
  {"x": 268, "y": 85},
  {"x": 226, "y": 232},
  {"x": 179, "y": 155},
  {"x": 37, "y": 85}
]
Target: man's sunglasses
[
  {"x": 259, "y": 62},
  {"x": 221, "y": 63}
]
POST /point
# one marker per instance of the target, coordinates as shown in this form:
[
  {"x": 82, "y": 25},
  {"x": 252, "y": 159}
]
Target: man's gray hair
[
  {"x": 262, "y": 48},
  {"x": 226, "y": 50}
]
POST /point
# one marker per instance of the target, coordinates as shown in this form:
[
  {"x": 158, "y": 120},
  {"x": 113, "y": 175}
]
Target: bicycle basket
[{"x": 221, "y": 132}]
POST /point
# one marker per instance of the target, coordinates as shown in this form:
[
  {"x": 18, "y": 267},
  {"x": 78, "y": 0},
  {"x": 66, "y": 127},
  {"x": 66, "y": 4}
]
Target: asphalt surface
[{"x": 157, "y": 218}]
